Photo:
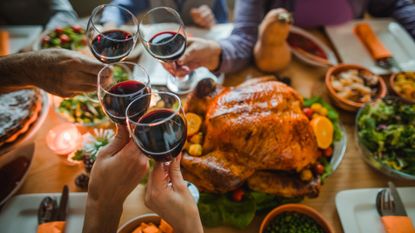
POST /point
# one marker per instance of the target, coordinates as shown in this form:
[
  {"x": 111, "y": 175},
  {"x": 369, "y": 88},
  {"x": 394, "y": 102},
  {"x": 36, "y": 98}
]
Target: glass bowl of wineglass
[
  {"x": 109, "y": 39},
  {"x": 118, "y": 85},
  {"x": 160, "y": 130},
  {"x": 162, "y": 34}
]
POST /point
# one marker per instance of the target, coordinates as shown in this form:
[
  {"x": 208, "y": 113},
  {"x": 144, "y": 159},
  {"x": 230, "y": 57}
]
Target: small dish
[
  {"x": 299, "y": 208},
  {"x": 344, "y": 103},
  {"x": 394, "y": 88},
  {"x": 131, "y": 225}
]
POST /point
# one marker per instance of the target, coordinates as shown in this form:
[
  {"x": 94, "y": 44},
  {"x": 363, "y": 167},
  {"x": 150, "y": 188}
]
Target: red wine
[
  {"x": 121, "y": 95},
  {"x": 112, "y": 46},
  {"x": 167, "y": 46},
  {"x": 161, "y": 141}
]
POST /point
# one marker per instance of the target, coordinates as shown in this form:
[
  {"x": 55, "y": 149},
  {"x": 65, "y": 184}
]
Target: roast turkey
[{"x": 255, "y": 134}]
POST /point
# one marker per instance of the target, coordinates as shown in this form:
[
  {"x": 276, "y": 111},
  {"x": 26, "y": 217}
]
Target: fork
[{"x": 385, "y": 203}]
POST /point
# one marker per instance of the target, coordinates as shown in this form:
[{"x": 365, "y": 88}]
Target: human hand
[
  {"x": 199, "y": 53},
  {"x": 117, "y": 171},
  {"x": 172, "y": 201},
  {"x": 203, "y": 16},
  {"x": 61, "y": 72}
]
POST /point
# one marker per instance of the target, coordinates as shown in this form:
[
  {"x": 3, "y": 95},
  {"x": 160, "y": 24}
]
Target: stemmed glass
[
  {"x": 118, "y": 85},
  {"x": 162, "y": 33},
  {"x": 109, "y": 40},
  {"x": 160, "y": 130}
]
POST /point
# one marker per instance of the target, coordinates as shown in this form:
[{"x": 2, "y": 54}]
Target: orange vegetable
[
  {"x": 323, "y": 129},
  {"x": 165, "y": 227}
]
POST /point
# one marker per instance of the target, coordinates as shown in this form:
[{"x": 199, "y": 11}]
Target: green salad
[
  {"x": 81, "y": 109},
  {"x": 387, "y": 129},
  {"x": 69, "y": 37},
  {"x": 238, "y": 208}
]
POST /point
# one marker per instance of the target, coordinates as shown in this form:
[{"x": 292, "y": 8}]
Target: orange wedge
[
  {"x": 323, "y": 129},
  {"x": 194, "y": 122}
]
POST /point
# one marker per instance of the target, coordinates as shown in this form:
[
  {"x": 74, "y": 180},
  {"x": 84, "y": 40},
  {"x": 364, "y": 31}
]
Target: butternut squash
[{"x": 271, "y": 51}]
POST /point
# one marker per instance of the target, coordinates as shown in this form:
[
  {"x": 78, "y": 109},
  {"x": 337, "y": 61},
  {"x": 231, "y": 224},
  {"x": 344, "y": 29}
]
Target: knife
[
  {"x": 63, "y": 204},
  {"x": 378, "y": 51},
  {"x": 399, "y": 207}
]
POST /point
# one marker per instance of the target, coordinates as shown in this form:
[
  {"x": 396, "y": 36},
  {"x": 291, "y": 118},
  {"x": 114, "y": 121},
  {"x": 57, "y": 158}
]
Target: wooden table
[{"x": 50, "y": 172}]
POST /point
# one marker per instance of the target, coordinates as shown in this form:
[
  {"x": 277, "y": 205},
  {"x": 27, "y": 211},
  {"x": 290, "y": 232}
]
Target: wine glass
[
  {"x": 109, "y": 39},
  {"x": 160, "y": 130},
  {"x": 162, "y": 33},
  {"x": 118, "y": 85}
]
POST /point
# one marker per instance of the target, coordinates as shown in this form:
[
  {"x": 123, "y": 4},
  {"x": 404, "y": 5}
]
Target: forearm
[
  {"x": 237, "y": 48},
  {"x": 14, "y": 72},
  {"x": 101, "y": 217}
]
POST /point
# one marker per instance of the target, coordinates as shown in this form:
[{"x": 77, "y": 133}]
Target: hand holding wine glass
[
  {"x": 162, "y": 34},
  {"x": 118, "y": 85},
  {"x": 109, "y": 40}
]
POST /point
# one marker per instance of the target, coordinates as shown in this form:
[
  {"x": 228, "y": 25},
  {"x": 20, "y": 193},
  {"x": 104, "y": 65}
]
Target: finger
[
  {"x": 175, "y": 173},
  {"x": 158, "y": 179},
  {"x": 119, "y": 141}
]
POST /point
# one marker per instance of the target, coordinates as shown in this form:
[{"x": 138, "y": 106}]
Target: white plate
[
  {"x": 331, "y": 57},
  {"x": 21, "y": 36},
  {"x": 19, "y": 215},
  {"x": 357, "y": 209},
  {"x": 394, "y": 37}
]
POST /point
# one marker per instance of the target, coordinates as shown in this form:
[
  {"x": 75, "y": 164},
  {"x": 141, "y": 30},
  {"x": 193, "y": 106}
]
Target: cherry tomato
[
  {"x": 308, "y": 112},
  {"x": 58, "y": 30},
  {"x": 64, "y": 38},
  {"x": 328, "y": 152},
  {"x": 238, "y": 195},
  {"x": 76, "y": 28},
  {"x": 45, "y": 40},
  {"x": 319, "y": 168}
]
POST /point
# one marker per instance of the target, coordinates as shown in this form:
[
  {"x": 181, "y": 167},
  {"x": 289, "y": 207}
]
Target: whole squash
[{"x": 271, "y": 51}]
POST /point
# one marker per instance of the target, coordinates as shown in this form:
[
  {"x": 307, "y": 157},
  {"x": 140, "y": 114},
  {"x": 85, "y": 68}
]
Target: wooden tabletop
[{"x": 49, "y": 172}]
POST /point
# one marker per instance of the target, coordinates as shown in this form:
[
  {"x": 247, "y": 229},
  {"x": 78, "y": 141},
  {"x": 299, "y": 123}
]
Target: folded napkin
[
  {"x": 4, "y": 43},
  {"x": 51, "y": 227},
  {"x": 398, "y": 224},
  {"x": 371, "y": 41}
]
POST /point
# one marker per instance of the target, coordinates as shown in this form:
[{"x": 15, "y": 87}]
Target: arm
[
  {"x": 117, "y": 171},
  {"x": 134, "y": 6},
  {"x": 57, "y": 71},
  {"x": 62, "y": 14},
  {"x": 237, "y": 48},
  {"x": 402, "y": 10},
  {"x": 220, "y": 10}
]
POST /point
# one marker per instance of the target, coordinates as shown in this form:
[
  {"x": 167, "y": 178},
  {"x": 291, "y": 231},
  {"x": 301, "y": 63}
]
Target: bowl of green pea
[{"x": 295, "y": 218}]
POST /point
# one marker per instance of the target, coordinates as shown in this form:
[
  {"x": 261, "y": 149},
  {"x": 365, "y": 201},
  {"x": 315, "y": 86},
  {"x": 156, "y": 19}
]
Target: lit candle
[{"x": 64, "y": 139}]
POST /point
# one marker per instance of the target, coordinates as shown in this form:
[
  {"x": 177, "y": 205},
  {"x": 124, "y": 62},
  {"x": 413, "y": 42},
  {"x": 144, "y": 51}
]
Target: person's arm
[
  {"x": 220, "y": 10},
  {"x": 403, "y": 11},
  {"x": 134, "y": 6},
  {"x": 62, "y": 14},
  {"x": 117, "y": 171},
  {"x": 58, "y": 71},
  {"x": 237, "y": 48}
]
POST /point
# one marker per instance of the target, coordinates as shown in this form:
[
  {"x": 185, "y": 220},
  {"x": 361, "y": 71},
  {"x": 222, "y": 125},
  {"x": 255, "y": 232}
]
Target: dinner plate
[
  {"x": 331, "y": 57},
  {"x": 394, "y": 37},
  {"x": 339, "y": 149},
  {"x": 19, "y": 215},
  {"x": 357, "y": 209}
]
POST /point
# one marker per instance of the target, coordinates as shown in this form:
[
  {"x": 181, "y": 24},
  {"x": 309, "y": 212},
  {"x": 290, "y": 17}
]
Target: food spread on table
[
  {"x": 404, "y": 85},
  {"x": 286, "y": 142},
  {"x": 386, "y": 128},
  {"x": 359, "y": 86},
  {"x": 69, "y": 37},
  {"x": 80, "y": 109}
]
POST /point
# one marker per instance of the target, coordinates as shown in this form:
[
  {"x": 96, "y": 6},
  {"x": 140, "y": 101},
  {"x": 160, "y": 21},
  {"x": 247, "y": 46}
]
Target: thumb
[
  {"x": 119, "y": 141},
  {"x": 175, "y": 173}
]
